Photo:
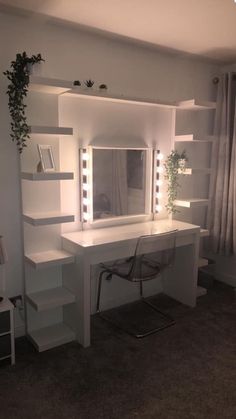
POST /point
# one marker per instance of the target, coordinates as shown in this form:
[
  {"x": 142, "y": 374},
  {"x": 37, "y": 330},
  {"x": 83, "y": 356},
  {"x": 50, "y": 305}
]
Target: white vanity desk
[{"x": 99, "y": 245}]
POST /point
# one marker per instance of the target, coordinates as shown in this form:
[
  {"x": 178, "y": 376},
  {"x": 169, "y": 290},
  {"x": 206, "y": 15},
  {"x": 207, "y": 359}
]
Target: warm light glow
[
  {"x": 159, "y": 182},
  {"x": 158, "y": 208},
  {"x": 85, "y": 156},
  {"x": 159, "y": 195},
  {"x": 160, "y": 169},
  {"x": 85, "y": 172},
  {"x": 160, "y": 156},
  {"x": 86, "y": 201},
  {"x": 86, "y": 216},
  {"x": 85, "y": 187}
]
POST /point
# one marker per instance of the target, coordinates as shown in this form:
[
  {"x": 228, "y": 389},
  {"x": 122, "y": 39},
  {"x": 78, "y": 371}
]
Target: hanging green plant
[
  {"x": 174, "y": 165},
  {"x": 18, "y": 75}
]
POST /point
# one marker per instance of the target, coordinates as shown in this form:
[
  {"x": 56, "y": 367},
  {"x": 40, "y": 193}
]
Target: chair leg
[
  {"x": 141, "y": 289},
  {"x": 99, "y": 291}
]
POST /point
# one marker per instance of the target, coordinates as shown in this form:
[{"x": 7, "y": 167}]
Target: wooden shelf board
[
  {"x": 204, "y": 232},
  {"x": 190, "y": 203},
  {"x": 201, "y": 291},
  {"x": 51, "y": 298},
  {"x": 102, "y": 96},
  {"x": 195, "y": 104},
  {"x": 43, "y": 130},
  {"x": 191, "y": 138},
  {"x": 193, "y": 171},
  {"x": 40, "y": 219},
  {"x": 51, "y": 336},
  {"x": 35, "y": 176},
  {"x": 47, "y": 85},
  {"x": 50, "y": 258}
]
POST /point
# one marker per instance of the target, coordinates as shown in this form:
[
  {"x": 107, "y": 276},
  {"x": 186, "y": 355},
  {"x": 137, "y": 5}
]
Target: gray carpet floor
[{"x": 186, "y": 371}]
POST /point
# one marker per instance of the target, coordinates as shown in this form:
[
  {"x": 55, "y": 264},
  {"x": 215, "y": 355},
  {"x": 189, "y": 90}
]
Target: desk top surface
[{"x": 100, "y": 236}]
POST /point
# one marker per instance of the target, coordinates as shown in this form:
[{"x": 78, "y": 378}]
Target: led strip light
[
  {"x": 85, "y": 187},
  {"x": 157, "y": 181}
]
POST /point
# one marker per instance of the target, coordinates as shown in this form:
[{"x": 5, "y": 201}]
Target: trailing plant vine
[
  {"x": 18, "y": 75},
  {"x": 174, "y": 164}
]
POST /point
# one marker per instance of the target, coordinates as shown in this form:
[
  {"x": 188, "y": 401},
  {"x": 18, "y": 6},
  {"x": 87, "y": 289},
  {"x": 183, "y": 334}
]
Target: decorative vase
[{"x": 35, "y": 69}]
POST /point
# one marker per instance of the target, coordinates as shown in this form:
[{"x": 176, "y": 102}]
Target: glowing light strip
[
  {"x": 158, "y": 182},
  {"x": 85, "y": 185}
]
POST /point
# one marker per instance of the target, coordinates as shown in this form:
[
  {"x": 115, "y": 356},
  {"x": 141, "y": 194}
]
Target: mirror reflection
[{"x": 119, "y": 182}]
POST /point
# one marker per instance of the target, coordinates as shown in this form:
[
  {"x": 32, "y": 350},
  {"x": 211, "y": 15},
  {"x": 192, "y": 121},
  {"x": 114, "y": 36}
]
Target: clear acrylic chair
[{"x": 153, "y": 255}]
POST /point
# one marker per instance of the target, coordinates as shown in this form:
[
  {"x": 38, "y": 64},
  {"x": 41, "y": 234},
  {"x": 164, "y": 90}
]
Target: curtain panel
[{"x": 221, "y": 219}]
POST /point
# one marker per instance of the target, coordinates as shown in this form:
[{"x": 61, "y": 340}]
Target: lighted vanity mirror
[{"x": 121, "y": 182}]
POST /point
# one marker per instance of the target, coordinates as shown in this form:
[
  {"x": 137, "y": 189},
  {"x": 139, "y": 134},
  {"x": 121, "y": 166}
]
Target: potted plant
[
  {"x": 18, "y": 75},
  {"x": 89, "y": 83},
  {"x": 174, "y": 165}
]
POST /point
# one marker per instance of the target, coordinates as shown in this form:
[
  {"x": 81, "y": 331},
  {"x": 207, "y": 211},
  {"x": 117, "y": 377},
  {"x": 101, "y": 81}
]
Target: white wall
[{"x": 72, "y": 54}]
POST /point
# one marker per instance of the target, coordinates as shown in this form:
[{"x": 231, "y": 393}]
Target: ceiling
[{"x": 202, "y": 27}]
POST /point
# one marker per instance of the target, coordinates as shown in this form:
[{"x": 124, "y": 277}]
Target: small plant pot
[{"x": 35, "y": 69}]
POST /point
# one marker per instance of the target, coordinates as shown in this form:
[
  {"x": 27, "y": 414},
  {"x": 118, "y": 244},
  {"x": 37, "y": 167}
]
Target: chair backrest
[{"x": 158, "y": 249}]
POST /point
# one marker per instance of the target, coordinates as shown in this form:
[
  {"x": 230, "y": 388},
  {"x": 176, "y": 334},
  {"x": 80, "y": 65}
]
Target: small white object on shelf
[
  {"x": 51, "y": 336},
  {"x": 42, "y": 176},
  {"x": 43, "y": 130},
  {"x": 50, "y": 298},
  {"x": 49, "y": 258},
  {"x": 190, "y": 203},
  {"x": 7, "y": 330},
  {"x": 47, "y": 218}
]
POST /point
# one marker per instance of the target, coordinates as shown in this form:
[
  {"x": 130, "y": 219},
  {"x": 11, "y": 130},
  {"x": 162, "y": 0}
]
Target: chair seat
[{"x": 148, "y": 267}]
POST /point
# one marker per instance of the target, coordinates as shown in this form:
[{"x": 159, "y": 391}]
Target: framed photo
[{"x": 46, "y": 158}]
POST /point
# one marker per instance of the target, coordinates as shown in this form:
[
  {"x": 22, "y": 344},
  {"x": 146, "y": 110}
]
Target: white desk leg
[
  {"x": 83, "y": 301},
  {"x": 180, "y": 282}
]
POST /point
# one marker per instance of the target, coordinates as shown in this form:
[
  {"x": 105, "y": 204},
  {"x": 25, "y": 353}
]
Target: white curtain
[
  {"x": 222, "y": 210},
  {"x": 119, "y": 182}
]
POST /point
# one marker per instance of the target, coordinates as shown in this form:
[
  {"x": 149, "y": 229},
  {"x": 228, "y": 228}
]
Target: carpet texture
[{"x": 186, "y": 371}]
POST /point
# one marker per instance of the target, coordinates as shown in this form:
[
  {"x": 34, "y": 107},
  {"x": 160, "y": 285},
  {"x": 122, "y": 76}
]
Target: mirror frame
[{"x": 86, "y": 164}]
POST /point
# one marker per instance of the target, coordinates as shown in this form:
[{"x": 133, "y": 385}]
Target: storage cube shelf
[
  {"x": 48, "y": 259},
  {"x": 51, "y": 298},
  {"x": 41, "y": 130},
  {"x": 51, "y": 86},
  {"x": 201, "y": 291},
  {"x": 51, "y": 336},
  {"x": 42, "y": 219},
  {"x": 43, "y": 176}
]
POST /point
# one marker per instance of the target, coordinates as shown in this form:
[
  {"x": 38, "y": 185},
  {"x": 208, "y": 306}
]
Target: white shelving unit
[
  {"x": 47, "y": 295},
  {"x": 196, "y": 141}
]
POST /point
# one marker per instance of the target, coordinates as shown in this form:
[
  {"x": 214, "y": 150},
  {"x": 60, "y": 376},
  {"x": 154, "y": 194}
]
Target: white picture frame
[{"x": 46, "y": 158}]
